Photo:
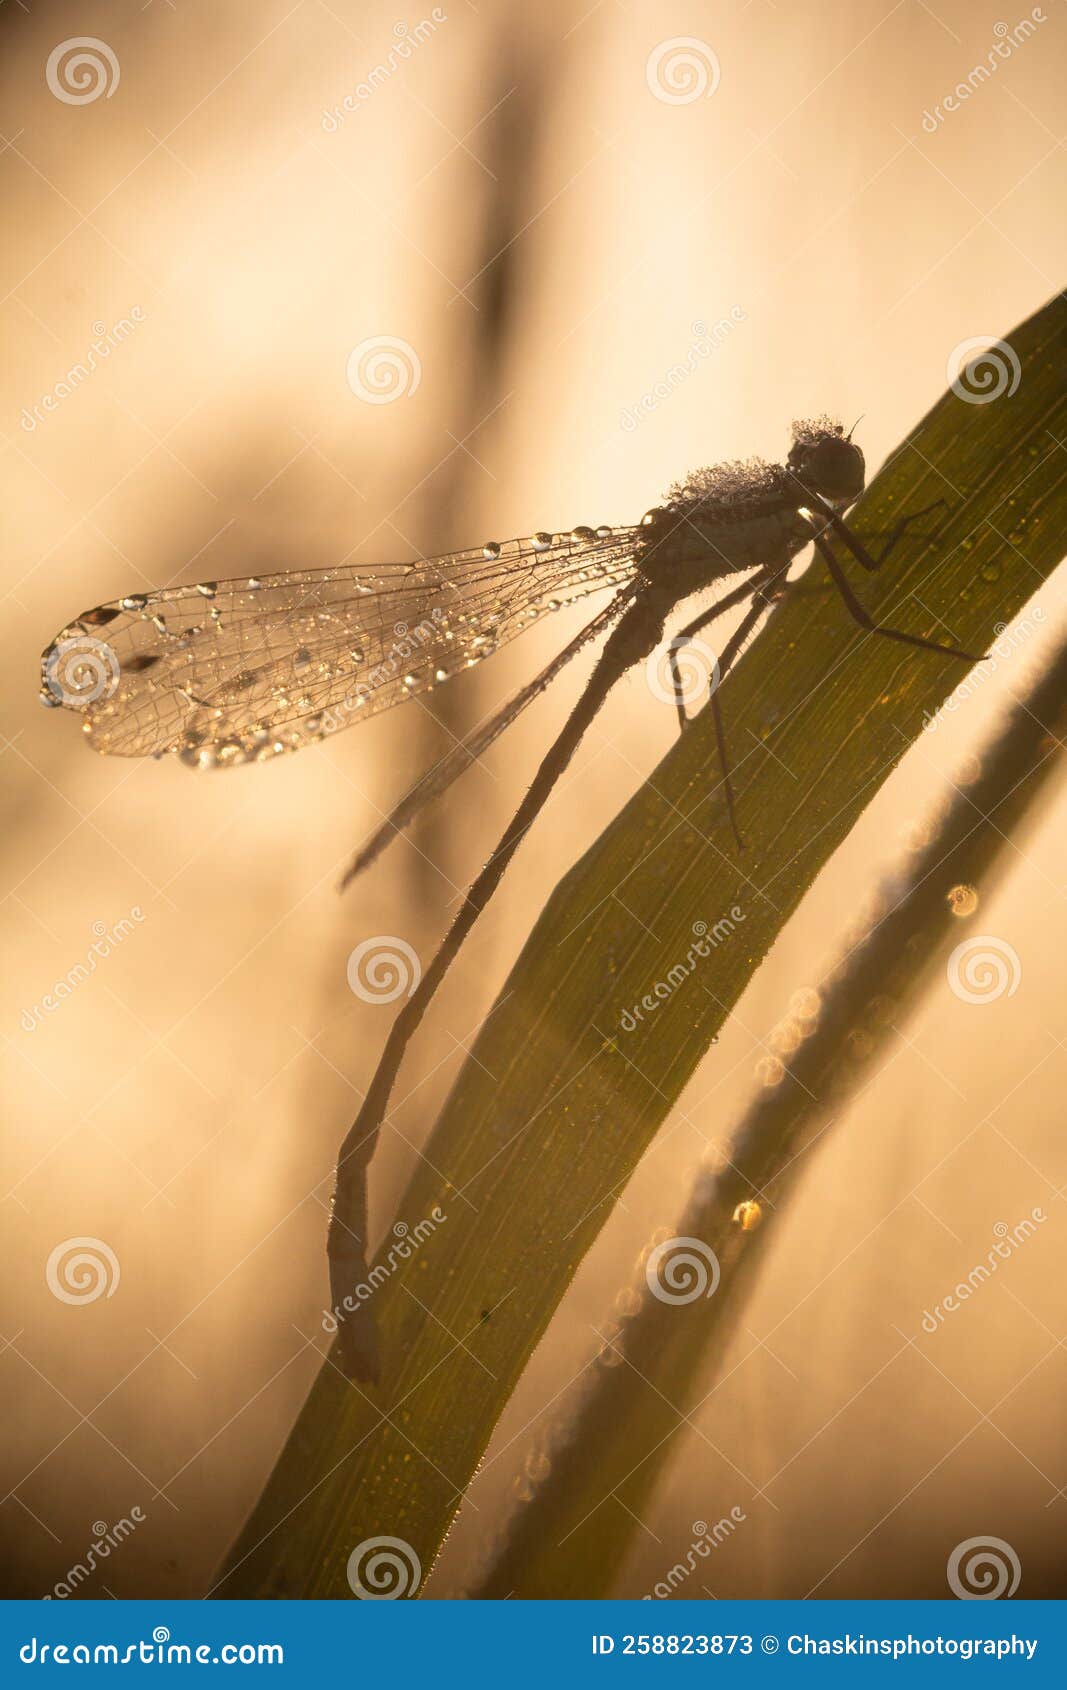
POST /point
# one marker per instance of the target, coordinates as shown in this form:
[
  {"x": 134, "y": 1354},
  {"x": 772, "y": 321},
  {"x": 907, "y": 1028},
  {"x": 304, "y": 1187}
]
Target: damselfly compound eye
[{"x": 834, "y": 468}]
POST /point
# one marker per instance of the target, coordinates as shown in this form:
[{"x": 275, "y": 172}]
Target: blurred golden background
[{"x": 550, "y": 229}]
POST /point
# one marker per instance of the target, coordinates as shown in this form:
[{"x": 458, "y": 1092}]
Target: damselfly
[{"x": 240, "y": 671}]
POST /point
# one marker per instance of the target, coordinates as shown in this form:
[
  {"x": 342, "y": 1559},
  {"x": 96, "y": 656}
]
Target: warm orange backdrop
[{"x": 184, "y": 1104}]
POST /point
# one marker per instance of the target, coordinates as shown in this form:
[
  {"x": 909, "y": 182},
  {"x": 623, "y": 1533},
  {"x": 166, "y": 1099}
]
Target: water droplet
[
  {"x": 134, "y": 601},
  {"x": 770, "y": 1071},
  {"x": 990, "y": 572},
  {"x": 962, "y": 901},
  {"x": 491, "y": 550},
  {"x": 582, "y": 536},
  {"x": 254, "y": 583},
  {"x": 541, "y": 541},
  {"x": 748, "y": 1215},
  {"x": 786, "y": 1037},
  {"x": 207, "y": 588},
  {"x": 603, "y": 532},
  {"x": 805, "y": 1003}
]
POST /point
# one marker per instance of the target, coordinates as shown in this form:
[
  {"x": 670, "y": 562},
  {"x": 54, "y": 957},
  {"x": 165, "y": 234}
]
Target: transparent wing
[{"x": 229, "y": 671}]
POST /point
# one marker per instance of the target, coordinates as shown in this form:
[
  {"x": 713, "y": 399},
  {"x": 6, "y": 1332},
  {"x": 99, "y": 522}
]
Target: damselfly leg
[
  {"x": 861, "y": 615},
  {"x": 753, "y": 589}
]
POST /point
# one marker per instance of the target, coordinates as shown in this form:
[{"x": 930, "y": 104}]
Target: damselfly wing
[{"x": 234, "y": 671}]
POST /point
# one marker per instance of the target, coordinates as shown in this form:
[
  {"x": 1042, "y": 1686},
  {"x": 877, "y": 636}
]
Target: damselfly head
[{"x": 827, "y": 461}]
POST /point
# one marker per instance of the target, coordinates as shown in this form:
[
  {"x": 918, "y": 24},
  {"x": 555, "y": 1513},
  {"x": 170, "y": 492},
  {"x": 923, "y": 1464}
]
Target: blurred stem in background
[
  {"x": 656, "y": 1368},
  {"x": 479, "y": 393}
]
